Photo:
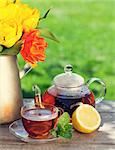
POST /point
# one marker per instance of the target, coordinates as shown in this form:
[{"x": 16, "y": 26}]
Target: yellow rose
[
  {"x": 9, "y": 12},
  {"x": 3, "y": 3},
  {"x": 23, "y": 14},
  {"x": 31, "y": 21},
  {"x": 14, "y": 19},
  {"x": 6, "y": 2},
  {"x": 29, "y": 17},
  {"x": 10, "y": 32}
]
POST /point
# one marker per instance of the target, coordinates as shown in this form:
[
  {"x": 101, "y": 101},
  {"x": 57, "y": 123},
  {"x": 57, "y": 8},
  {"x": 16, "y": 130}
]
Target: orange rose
[{"x": 33, "y": 48}]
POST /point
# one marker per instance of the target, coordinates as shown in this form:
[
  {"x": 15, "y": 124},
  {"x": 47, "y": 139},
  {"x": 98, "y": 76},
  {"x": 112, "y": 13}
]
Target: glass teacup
[{"x": 39, "y": 121}]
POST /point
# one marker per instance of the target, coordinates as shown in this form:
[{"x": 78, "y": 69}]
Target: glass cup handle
[
  {"x": 103, "y": 90},
  {"x": 60, "y": 112}
]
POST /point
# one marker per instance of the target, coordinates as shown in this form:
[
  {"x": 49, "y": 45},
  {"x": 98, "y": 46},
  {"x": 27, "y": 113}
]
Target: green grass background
[{"x": 86, "y": 29}]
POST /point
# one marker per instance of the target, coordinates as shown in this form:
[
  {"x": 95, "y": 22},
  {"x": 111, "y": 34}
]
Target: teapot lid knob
[
  {"x": 68, "y": 79},
  {"x": 68, "y": 68}
]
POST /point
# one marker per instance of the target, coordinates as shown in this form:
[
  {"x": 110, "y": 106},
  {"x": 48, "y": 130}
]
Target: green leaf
[
  {"x": 14, "y": 50},
  {"x": 48, "y": 34},
  {"x": 64, "y": 119},
  {"x": 65, "y": 132},
  {"x": 64, "y": 128},
  {"x": 45, "y": 16},
  {"x": 67, "y": 135},
  {"x": 54, "y": 133},
  {"x": 68, "y": 127},
  {"x": 1, "y": 48}
]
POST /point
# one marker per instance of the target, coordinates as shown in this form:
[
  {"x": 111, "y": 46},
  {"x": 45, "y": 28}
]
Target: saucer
[{"x": 17, "y": 129}]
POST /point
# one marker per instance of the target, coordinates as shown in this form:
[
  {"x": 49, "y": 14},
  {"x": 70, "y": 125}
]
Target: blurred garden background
[{"x": 86, "y": 30}]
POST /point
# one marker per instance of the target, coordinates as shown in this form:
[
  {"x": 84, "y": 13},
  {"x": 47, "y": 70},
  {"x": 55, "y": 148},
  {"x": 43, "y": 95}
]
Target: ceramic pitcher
[{"x": 10, "y": 89}]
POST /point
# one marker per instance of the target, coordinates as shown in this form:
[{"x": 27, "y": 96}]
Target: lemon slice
[{"x": 86, "y": 118}]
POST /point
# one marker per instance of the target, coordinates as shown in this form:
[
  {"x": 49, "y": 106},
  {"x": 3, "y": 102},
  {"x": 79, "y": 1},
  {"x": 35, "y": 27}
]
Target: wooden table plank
[
  {"x": 58, "y": 147},
  {"x": 105, "y": 134},
  {"x": 106, "y": 106},
  {"x": 103, "y": 139}
]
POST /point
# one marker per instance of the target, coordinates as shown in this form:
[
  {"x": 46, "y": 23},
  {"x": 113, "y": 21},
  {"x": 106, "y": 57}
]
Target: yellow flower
[
  {"x": 6, "y": 2},
  {"x": 31, "y": 21},
  {"x": 10, "y": 32},
  {"x": 14, "y": 19},
  {"x": 29, "y": 17},
  {"x": 25, "y": 15}
]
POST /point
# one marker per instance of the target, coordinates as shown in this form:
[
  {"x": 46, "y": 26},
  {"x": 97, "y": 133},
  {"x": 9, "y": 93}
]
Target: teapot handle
[{"x": 103, "y": 90}]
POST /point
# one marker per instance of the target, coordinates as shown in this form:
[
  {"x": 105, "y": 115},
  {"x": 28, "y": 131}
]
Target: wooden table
[{"x": 103, "y": 139}]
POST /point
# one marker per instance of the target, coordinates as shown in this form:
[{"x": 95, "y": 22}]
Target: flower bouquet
[{"x": 19, "y": 33}]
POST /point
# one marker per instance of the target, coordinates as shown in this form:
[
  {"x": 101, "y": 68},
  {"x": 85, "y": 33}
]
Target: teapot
[{"x": 69, "y": 89}]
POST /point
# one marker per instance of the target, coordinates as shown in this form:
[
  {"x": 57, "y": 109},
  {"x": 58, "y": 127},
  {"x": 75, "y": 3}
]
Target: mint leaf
[
  {"x": 67, "y": 135},
  {"x": 64, "y": 119},
  {"x": 68, "y": 127},
  {"x": 54, "y": 133},
  {"x": 65, "y": 132},
  {"x": 64, "y": 128}
]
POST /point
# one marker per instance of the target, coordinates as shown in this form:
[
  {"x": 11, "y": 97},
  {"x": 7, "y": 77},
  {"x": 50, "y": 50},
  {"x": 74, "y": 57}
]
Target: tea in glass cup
[{"x": 39, "y": 121}]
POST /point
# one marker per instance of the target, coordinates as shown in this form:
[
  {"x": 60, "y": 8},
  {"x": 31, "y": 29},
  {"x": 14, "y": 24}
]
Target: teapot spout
[{"x": 27, "y": 68}]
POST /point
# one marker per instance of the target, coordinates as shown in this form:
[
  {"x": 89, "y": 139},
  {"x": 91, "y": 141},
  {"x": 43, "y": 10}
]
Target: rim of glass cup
[{"x": 33, "y": 117}]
